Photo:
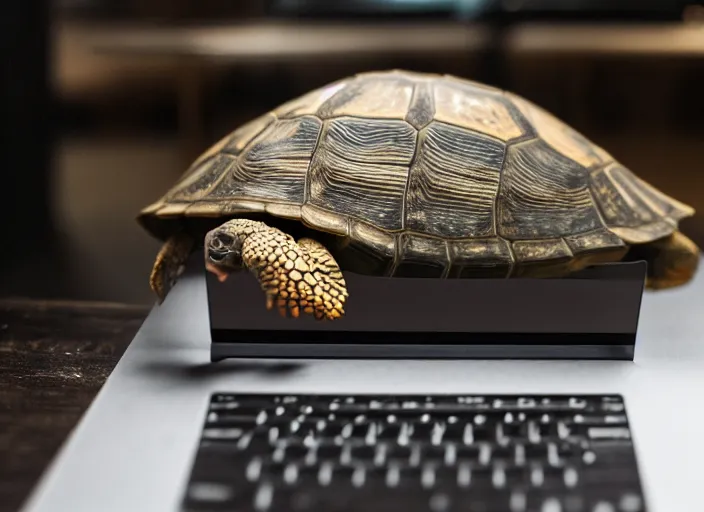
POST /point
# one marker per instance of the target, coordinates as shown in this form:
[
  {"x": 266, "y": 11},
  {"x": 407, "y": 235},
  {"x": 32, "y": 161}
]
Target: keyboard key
[
  {"x": 482, "y": 477},
  {"x": 237, "y": 417},
  {"x": 431, "y": 453},
  {"x": 389, "y": 432},
  {"x": 422, "y": 431},
  {"x": 503, "y": 454},
  {"x": 307, "y": 474},
  {"x": 483, "y": 432},
  {"x": 208, "y": 492},
  {"x": 355, "y": 431},
  {"x": 398, "y": 454},
  {"x": 333, "y": 429},
  {"x": 553, "y": 477},
  {"x": 364, "y": 453},
  {"x": 343, "y": 474},
  {"x": 516, "y": 477},
  {"x": 296, "y": 452},
  {"x": 209, "y": 497},
  {"x": 517, "y": 501},
  {"x": 328, "y": 452},
  {"x": 467, "y": 454},
  {"x": 439, "y": 502},
  {"x": 604, "y": 506},
  {"x": 608, "y": 433},
  {"x": 229, "y": 434},
  {"x": 457, "y": 431},
  {"x": 630, "y": 502},
  {"x": 464, "y": 475},
  {"x": 551, "y": 505},
  {"x": 536, "y": 452},
  {"x": 612, "y": 407}
]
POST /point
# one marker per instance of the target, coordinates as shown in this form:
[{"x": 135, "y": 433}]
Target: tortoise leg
[
  {"x": 672, "y": 261},
  {"x": 169, "y": 264},
  {"x": 297, "y": 277}
]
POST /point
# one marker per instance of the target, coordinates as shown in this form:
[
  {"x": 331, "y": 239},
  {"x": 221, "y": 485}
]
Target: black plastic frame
[{"x": 592, "y": 314}]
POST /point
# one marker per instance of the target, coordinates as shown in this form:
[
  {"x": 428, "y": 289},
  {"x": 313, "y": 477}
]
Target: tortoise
[{"x": 409, "y": 174}]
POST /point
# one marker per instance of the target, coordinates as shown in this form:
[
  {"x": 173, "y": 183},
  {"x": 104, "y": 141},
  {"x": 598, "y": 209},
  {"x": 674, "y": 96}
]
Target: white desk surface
[{"x": 133, "y": 449}]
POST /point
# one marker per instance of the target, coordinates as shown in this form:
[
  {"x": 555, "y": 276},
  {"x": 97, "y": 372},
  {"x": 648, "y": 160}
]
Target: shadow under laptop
[
  {"x": 410, "y": 375},
  {"x": 177, "y": 370}
]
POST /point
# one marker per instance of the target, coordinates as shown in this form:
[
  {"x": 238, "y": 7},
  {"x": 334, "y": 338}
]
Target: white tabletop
[{"x": 133, "y": 449}]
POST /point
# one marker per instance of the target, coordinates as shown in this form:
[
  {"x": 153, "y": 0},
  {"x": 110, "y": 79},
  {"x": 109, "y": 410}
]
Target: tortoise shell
[{"x": 425, "y": 174}]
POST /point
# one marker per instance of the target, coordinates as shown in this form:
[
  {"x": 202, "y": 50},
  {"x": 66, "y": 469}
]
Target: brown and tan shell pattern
[{"x": 427, "y": 175}]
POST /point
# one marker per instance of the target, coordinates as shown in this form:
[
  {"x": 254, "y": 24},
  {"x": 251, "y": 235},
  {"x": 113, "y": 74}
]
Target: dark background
[{"x": 101, "y": 114}]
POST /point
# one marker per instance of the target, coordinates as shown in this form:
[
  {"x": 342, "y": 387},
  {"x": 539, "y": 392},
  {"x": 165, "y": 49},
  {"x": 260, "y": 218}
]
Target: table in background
[{"x": 196, "y": 48}]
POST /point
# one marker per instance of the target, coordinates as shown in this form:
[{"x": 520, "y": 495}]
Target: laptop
[{"x": 171, "y": 430}]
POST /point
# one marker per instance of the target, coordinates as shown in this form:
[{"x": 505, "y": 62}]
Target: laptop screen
[{"x": 598, "y": 305}]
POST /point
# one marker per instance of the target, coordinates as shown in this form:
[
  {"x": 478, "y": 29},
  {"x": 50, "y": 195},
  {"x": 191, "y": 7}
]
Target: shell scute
[
  {"x": 354, "y": 173},
  {"x": 421, "y": 256},
  {"x": 633, "y": 209},
  {"x": 309, "y": 103},
  {"x": 370, "y": 248},
  {"x": 201, "y": 181},
  {"x": 478, "y": 111},
  {"x": 372, "y": 141},
  {"x": 383, "y": 97},
  {"x": 486, "y": 257},
  {"x": 561, "y": 137},
  {"x": 275, "y": 164},
  {"x": 543, "y": 195},
  {"x": 329, "y": 221},
  {"x": 241, "y": 137},
  {"x": 453, "y": 183},
  {"x": 536, "y": 258}
]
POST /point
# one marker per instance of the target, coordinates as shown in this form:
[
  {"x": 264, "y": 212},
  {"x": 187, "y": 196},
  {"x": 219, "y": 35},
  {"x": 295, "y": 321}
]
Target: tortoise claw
[{"x": 169, "y": 265}]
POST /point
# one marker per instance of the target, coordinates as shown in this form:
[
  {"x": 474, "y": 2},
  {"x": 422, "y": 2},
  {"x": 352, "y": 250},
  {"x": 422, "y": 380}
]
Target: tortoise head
[{"x": 223, "y": 252}]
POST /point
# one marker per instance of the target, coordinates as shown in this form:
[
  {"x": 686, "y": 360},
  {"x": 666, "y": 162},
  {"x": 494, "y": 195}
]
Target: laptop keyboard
[{"x": 436, "y": 453}]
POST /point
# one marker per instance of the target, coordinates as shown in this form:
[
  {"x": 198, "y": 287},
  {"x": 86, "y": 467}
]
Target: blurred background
[{"x": 106, "y": 102}]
